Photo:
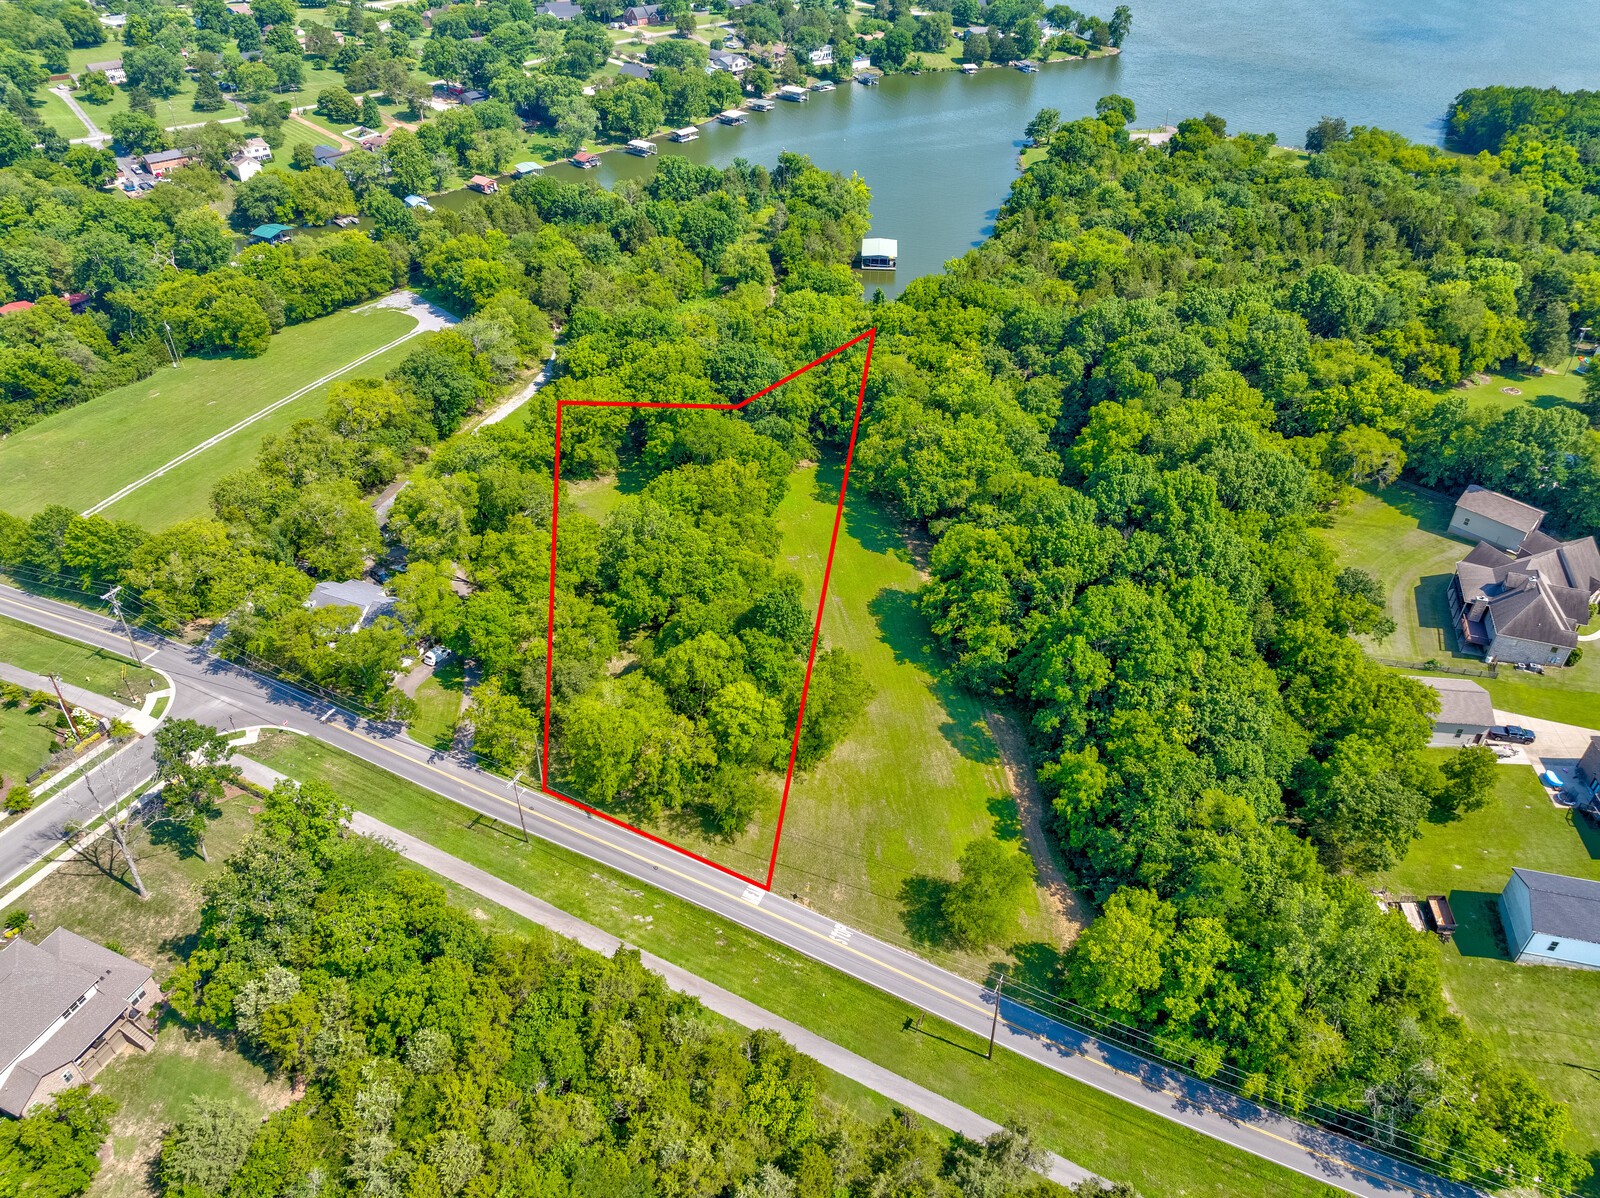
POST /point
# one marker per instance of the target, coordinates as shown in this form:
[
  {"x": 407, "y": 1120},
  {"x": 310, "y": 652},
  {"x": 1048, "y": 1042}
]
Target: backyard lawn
[
  {"x": 84, "y": 454},
  {"x": 438, "y": 707},
  {"x": 93, "y": 669},
  {"x": 1101, "y": 1133},
  {"x": 1539, "y": 390},
  {"x": 1398, "y": 535},
  {"x": 1536, "y": 1015}
]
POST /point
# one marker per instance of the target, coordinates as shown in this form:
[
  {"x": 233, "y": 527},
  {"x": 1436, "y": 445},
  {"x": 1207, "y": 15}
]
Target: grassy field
[
  {"x": 1539, "y": 390},
  {"x": 185, "y": 491},
  {"x": 438, "y": 707},
  {"x": 1110, "y": 1137},
  {"x": 1398, "y": 535},
  {"x": 93, "y": 669},
  {"x": 873, "y": 833},
  {"x": 26, "y": 741},
  {"x": 81, "y": 455},
  {"x": 1536, "y": 1015}
]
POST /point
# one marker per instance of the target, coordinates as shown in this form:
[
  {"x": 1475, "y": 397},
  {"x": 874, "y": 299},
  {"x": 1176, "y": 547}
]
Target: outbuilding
[
  {"x": 483, "y": 184},
  {"x": 273, "y": 234},
  {"x": 523, "y": 169},
  {"x": 793, "y": 92},
  {"x": 879, "y": 253},
  {"x": 641, "y": 146},
  {"x": 1551, "y": 919},
  {"x": 1485, "y": 515},
  {"x": 584, "y": 160},
  {"x": 1466, "y": 712},
  {"x": 732, "y": 116},
  {"x": 327, "y": 155}
]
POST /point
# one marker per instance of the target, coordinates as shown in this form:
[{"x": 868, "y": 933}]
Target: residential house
[
  {"x": 860, "y": 62},
  {"x": 561, "y": 10},
  {"x": 71, "y": 1006},
  {"x": 112, "y": 69},
  {"x": 77, "y": 302},
  {"x": 166, "y": 161},
  {"x": 822, "y": 57},
  {"x": 246, "y": 162},
  {"x": 1466, "y": 713},
  {"x": 1484, "y": 515},
  {"x": 642, "y": 14},
  {"x": 474, "y": 95},
  {"x": 1589, "y": 773},
  {"x": 1550, "y": 919},
  {"x": 15, "y": 306},
  {"x": 727, "y": 60},
  {"x": 1526, "y": 606},
  {"x": 634, "y": 70},
  {"x": 368, "y": 598},
  {"x": 327, "y": 155}
]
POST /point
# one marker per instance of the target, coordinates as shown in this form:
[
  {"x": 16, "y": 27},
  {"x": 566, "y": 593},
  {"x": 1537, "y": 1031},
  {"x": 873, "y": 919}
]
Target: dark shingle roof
[
  {"x": 1562, "y": 906},
  {"x": 1462, "y": 702},
  {"x": 1502, "y": 509},
  {"x": 1541, "y": 593}
]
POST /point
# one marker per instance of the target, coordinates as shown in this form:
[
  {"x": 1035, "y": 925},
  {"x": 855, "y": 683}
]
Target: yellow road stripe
[{"x": 799, "y": 927}]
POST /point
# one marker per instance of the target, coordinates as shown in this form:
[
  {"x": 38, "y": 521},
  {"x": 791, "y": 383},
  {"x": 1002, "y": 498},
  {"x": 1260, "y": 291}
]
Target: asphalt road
[{"x": 224, "y": 695}]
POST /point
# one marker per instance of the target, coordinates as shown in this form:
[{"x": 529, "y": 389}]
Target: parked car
[{"x": 1513, "y": 733}]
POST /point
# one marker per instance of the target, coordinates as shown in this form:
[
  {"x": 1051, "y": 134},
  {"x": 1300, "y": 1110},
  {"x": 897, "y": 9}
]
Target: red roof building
[{"x": 15, "y": 306}]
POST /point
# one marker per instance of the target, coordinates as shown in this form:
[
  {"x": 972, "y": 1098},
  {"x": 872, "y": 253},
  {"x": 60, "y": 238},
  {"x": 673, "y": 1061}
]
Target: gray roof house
[
  {"x": 1483, "y": 515},
  {"x": 1551, "y": 919},
  {"x": 634, "y": 70},
  {"x": 1527, "y": 606},
  {"x": 70, "y": 1006},
  {"x": 327, "y": 155},
  {"x": 561, "y": 10},
  {"x": 370, "y": 599},
  {"x": 1466, "y": 713}
]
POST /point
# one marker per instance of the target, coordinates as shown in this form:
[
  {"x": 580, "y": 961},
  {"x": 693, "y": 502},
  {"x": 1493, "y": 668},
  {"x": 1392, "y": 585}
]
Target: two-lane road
[{"x": 225, "y": 695}]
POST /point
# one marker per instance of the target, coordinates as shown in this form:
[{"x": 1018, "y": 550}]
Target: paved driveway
[{"x": 1557, "y": 748}]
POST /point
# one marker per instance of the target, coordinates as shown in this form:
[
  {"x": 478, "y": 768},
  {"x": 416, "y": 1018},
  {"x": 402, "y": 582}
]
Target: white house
[
  {"x": 1466, "y": 713},
  {"x": 1484, "y": 515},
  {"x": 822, "y": 57},
  {"x": 70, "y": 1006},
  {"x": 112, "y": 69},
  {"x": 1551, "y": 919},
  {"x": 726, "y": 60}
]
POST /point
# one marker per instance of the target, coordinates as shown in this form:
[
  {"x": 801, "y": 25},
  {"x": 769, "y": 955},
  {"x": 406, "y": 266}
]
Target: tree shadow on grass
[
  {"x": 1478, "y": 931},
  {"x": 1007, "y": 819},
  {"x": 1039, "y": 965},
  {"x": 864, "y": 519},
  {"x": 905, "y": 630},
  {"x": 922, "y": 902}
]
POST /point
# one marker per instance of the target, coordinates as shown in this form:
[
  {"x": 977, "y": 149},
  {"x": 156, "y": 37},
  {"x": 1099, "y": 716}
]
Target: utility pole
[
  {"x": 521, "y": 818},
  {"x": 116, "y": 606},
  {"x": 56, "y": 682},
  {"x": 171, "y": 347},
  {"x": 995, "y": 1026}
]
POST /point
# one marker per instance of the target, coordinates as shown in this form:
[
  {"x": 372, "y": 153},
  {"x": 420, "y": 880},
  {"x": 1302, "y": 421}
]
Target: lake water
[{"x": 939, "y": 151}]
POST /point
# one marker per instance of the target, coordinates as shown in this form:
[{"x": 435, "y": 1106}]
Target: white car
[{"x": 436, "y": 655}]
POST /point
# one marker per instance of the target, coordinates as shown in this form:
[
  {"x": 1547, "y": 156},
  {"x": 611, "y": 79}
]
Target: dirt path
[{"x": 1068, "y": 911}]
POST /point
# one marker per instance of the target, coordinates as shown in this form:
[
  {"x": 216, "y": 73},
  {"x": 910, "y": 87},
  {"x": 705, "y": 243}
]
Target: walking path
[
  {"x": 95, "y": 137},
  {"x": 725, "y": 1003},
  {"x": 88, "y": 700},
  {"x": 428, "y": 318}
]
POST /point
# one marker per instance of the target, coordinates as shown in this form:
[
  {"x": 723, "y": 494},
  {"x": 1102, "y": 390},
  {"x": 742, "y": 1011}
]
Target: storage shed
[
  {"x": 1551, "y": 919},
  {"x": 1466, "y": 712}
]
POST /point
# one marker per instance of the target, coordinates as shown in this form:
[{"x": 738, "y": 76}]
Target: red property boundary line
[{"x": 816, "y": 632}]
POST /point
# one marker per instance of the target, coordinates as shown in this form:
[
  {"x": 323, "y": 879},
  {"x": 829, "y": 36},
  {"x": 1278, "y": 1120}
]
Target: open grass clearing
[
  {"x": 1100, "y": 1133},
  {"x": 1398, "y": 535},
  {"x": 84, "y": 454},
  {"x": 1555, "y": 389},
  {"x": 1538, "y": 1016},
  {"x": 93, "y": 669},
  {"x": 438, "y": 707},
  {"x": 185, "y": 490}
]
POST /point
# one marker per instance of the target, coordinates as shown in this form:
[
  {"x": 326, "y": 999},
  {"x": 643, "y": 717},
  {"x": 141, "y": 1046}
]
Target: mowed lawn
[
  {"x": 185, "y": 490},
  {"x": 81, "y": 665},
  {"x": 1538, "y": 1016},
  {"x": 26, "y": 741},
  {"x": 1398, "y": 535},
  {"x": 1565, "y": 387},
  {"x": 1104, "y": 1134},
  {"x": 83, "y": 455}
]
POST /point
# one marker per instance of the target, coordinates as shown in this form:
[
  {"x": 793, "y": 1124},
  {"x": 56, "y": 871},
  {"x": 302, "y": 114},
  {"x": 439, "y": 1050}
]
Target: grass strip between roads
[{"x": 1099, "y": 1132}]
